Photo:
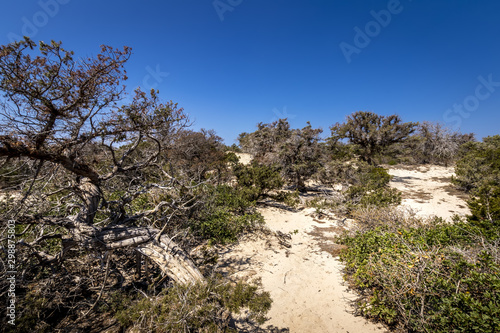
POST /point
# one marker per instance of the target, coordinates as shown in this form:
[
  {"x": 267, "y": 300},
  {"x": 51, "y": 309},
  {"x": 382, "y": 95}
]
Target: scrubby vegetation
[
  {"x": 432, "y": 276},
  {"x": 120, "y": 209},
  {"x": 192, "y": 308}
]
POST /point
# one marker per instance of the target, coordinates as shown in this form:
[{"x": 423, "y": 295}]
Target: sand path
[{"x": 305, "y": 280}]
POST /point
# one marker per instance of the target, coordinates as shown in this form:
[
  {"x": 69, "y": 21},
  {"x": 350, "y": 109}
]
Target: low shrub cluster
[
  {"x": 362, "y": 185},
  {"x": 256, "y": 180},
  {"x": 441, "y": 278},
  {"x": 226, "y": 214},
  {"x": 434, "y": 276},
  {"x": 193, "y": 308}
]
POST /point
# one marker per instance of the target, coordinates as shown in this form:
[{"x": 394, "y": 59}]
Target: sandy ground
[
  {"x": 305, "y": 282},
  {"x": 427, "y": 190},
  {"x": 305, "y": 279},
  {"x": 244, "y": 158}
]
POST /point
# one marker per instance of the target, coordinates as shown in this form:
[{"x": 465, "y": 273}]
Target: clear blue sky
[{"x": 234, "y": 63}]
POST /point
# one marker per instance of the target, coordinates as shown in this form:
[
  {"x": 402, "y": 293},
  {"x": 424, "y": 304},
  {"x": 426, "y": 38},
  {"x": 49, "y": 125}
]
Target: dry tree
[{"x": 80, "y": 156}]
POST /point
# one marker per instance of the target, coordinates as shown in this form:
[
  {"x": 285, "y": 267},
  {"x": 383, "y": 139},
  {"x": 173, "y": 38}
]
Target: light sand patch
[
  {"x": 427, "y": 190},
  {"x": 245, "y": 158},
  {"x": 305, "y": 282}
]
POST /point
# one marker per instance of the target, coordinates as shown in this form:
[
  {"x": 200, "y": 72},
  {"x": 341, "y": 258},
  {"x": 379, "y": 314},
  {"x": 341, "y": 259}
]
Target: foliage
[
  {"x": 438, "y": 144},
  {"x": 478, "y": 171},
  {"x": 431, "y": 143},
  {"x": 362, "y": 185},
  {"x": 478, "y": 164},
  {"x": 196, "y": 155},
  {"x": 256, "y": 180},
  {"x": 195, "y": 308},
  {"x": 439, "y": 278},
  {"x": 371, "y": 187},
  {"x": 372, "y": 133},
  {"x": 225, "y": 215},
  {"x": 295, "y": 151}
]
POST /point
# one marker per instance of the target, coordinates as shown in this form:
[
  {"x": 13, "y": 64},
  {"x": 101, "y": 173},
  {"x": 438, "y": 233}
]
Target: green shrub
[
  {"x": 479, "y": 164},
  {"x": 290, "y": 199},
  {"x": 439, "y": 277},
  {"x": 478, "y": 171},
  {"x": 371, "y": 188},
  {"x": 362, "y": 185},
  {"x": 222, "y": 226},
  {"x": 255, "y": 180},
  {"x": 195, "y": 308},
  {"x": 225, "y": 215}
]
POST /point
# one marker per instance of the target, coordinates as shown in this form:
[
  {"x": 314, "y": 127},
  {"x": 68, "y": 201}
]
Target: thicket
[
  {"x": 432, "y": 276},
  {"x": 226, "y": 214},
  {"x": 371, "y": 133},
  {"x": 295, "y": 152},
  {"x": 431, "y": 143},
  {"x": 358, "y": 184},
  {"x": 193, "y": 308}
]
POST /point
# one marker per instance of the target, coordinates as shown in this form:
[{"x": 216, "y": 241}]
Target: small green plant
[
  {"x": 204, "y": 307},
  {"x": 255, "y": 180},
  {"x": 226, "y": 215}
]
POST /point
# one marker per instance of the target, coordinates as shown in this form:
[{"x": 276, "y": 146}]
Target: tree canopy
[
  {"x": 372, "y": 132},
  {"x": 87, "y": 152}
]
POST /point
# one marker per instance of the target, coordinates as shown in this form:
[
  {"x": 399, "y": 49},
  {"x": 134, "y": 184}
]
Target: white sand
[
  {"x": 426, "y": 191},
  {"x": 305, "y": 283},
  {"x": 244, "y": 158}
]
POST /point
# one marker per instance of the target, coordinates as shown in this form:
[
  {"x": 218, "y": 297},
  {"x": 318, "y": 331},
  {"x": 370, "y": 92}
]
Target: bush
[
  {"x": 440, "y": 278},
  {"x": 225, "y": 216},
  {"x": 478, "y": 171},
  {"x": 195, "y": 308},
  {"x": 479, "y": 164},
  {"x": 390, "y": 217},
  {"x": 367, "y": 185},
  {"x": 372, "y": 133},
  {"x": 256, "y": 181},
  {"x": 438, "y": 144},
  {"x": 295, "y": 151},
  {"x": 222, "y": 226}
]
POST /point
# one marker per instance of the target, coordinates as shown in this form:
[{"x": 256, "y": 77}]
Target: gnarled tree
[
  {"x": 295, "y": 151},
  {"x": 89, "y": 156},
  {"x": 372, "y": 132}
]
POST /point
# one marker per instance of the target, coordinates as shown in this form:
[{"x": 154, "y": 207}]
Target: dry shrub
[
  {"x": 203, "y": 307},
  {"x": 391, "y": 217},
  {"x": 439, "y": 277}
]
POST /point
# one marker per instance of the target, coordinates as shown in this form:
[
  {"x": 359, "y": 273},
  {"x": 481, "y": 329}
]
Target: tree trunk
[
  {"x": 171, "y": 259},
  {"x": 299, "y": 182}
]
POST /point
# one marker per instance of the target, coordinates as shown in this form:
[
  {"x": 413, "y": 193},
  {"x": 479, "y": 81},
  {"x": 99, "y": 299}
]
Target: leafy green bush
[
  {"x": 222, "y": 226},
  {"x": 479, "y": 164},
  {"x": 478, "y": 171},
  {"x": 439, "y": 278},
  {"x": 371, "y": 188},
  {"x": 256, "y": 180},
  {"x": 225, "y": 216},
  {"x": 361, "y": 185},
  {"x": 195, "y": 308}
]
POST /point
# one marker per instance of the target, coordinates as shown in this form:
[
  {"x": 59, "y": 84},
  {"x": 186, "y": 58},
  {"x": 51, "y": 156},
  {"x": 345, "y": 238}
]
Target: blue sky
[{"x": 234, "y": 63}]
